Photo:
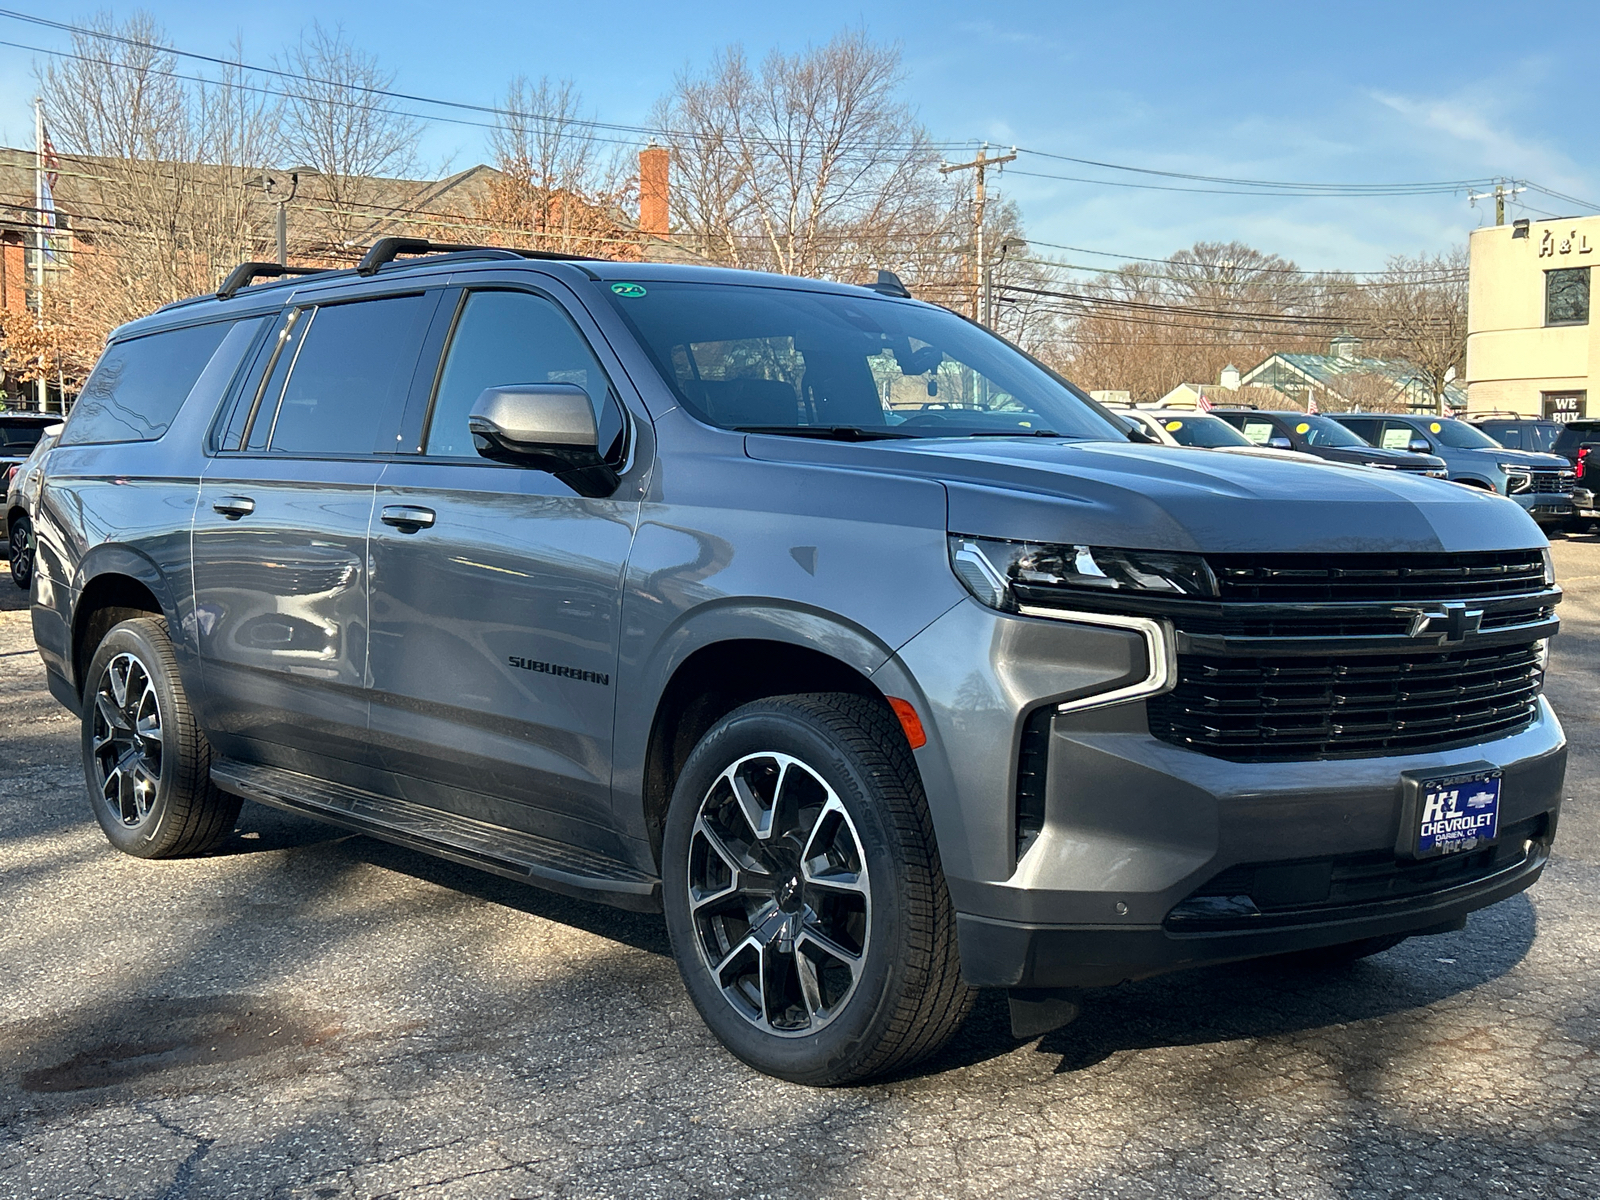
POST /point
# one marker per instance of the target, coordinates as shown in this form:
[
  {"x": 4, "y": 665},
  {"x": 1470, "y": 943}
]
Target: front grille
[
  {"x": 1257, "y": 895},
  {"x": 1296, "y": 578},
  {"x": 1551, "y": 483},
  {"x": 1261, "y": 709}
]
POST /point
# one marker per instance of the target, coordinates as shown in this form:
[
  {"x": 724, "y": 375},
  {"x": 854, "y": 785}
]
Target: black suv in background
[
  {"x": 1576, "y": 443},
  {"x": 1518, "y": 433},
  {"x": 1325, "y": 438}
]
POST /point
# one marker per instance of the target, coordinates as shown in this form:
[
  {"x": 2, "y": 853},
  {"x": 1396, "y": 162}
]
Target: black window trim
[
  {"x": 465, "y": 289},
  {"x": 223, "y": 318},
  {"x": 280, "y": 333}
]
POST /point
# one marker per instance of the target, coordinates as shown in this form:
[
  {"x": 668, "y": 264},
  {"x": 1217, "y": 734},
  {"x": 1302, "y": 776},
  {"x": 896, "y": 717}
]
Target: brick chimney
[{"x": 654, "y": 162}]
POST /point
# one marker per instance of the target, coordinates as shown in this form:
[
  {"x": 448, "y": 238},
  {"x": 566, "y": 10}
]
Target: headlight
[
  {"x": 1549, "y": 568},
  {"x": 1001, "y": 573},
  {"x": 1518, "y": 478}
]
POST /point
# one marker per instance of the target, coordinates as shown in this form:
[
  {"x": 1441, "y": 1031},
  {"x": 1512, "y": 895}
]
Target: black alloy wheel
[
  {"x": 804, "y": 897},
  {"x": 146, "y": 762},
  {"x": 127, "y": 739},
  {"x": 779, "y": 893},
  {"x": 20, "y": 546}
]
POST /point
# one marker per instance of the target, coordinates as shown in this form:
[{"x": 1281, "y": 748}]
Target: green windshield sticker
[{"x": 631, "y": 290}]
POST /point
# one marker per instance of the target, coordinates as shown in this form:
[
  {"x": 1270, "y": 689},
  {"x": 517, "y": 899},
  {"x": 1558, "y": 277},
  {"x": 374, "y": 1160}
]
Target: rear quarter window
[{"x": 139, "y": 384}]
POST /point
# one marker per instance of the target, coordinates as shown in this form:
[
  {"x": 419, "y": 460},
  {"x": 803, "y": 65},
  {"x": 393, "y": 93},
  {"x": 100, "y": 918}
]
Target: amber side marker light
[{"x": 909, "y": 721}]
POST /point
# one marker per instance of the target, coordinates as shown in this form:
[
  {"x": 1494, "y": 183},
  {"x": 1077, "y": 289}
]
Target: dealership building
[{"x": 1531, "y": 347}]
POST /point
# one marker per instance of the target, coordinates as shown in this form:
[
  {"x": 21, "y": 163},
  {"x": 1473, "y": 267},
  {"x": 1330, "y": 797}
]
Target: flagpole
[{"x": 38, "y": 249}]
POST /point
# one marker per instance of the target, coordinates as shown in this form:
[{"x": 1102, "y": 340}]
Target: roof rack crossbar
[
  {"x": 387, "y": 249},
  {"x": 247, "y": 272}
]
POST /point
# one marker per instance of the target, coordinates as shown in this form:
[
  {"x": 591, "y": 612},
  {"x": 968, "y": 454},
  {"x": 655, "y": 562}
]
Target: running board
[{"x": 524, "y": 856}]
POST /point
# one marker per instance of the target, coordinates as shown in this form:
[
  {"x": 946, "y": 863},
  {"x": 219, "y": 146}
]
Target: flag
[
  {"x": 1204, "y": 403},
  {"x": 1311, "y": 405},
  {"x": 47, "y": 191}
]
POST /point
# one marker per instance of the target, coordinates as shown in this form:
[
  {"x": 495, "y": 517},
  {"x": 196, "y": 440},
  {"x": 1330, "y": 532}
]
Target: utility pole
[
  {"x": 1503, "y": 190},
  {"x": 38, "y": 248},
  {"x": 979, "y": 165},
  {"x": 269, "y": 185}
]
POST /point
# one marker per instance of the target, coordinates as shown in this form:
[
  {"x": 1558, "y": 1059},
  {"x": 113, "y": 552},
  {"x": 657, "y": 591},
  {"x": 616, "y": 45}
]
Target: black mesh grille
[
  {"x": 1296, "y": 578},
  {"x": 1281, "y": 709},
  {"x": 1032, "y": 762}
]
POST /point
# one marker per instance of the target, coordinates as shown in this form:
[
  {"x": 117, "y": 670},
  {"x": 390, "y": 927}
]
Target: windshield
[
  {"x": 782, "y": 359},
  {"x": 1460, "y": 436},
  {"x": 1324, "y": 431},
  {"x": 18, "y": 435},
  {"x": 1209, "y": 432}
]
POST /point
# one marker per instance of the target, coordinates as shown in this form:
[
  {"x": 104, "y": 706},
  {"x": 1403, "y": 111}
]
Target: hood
[
  {"x": 1405, "y": 460},
  {"x": 1529, "y": 458},
  {"x": 1177, "y": 498}
]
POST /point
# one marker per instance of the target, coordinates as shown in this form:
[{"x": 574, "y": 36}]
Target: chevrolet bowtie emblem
[{"x": 1454, "y": 620}]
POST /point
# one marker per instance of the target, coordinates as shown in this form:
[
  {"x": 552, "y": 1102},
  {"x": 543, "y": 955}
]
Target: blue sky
[{"x": 1346, "y": 93}]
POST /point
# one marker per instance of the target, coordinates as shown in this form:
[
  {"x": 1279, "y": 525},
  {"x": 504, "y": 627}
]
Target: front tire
[
  {"x": 804, "y": 898},
  {"x": 20, "y": 545},
  {"x": 146, "y": 762}
]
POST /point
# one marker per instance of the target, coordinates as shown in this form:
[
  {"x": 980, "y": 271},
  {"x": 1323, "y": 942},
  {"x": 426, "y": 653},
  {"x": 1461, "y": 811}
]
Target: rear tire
[
  {"x": 20, "y": 545},
  {"x": 804, "y": 897},
  {"x": 146, "y": 763}
]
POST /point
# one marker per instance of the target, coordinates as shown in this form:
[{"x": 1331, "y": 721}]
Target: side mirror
[
  {"x": 546, "y": 426},
  {"x": 1280, "y": 443},
  {"x": 1419, "y": 445}
]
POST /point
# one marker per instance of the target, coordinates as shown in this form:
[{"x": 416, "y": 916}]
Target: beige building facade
[{"x": 1532, "y": 347}]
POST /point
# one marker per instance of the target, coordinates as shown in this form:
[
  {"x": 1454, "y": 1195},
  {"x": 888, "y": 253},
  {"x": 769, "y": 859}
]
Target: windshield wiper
[
  {"x": 1050, "y": 433},
  {"x": 837, "y": 433}
]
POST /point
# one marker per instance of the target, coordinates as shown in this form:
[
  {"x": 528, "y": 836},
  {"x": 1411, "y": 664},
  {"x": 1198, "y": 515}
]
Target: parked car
[
  {"x": 1576, "y": 442},
  {"x": 1516, "y": 432},
  {"x": 1180, "y": 427},
  {"x": 1325, "y": 438},
  {"x": 660, "y": 585},
  {"x": 22, "y": 493},
  {"x": 1541, "y": 483},
  {"x": 19, "y": 433}
]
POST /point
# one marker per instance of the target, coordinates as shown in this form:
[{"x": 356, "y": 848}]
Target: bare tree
[
  {"x": 808, "y": 165},
  {"x": 1418, "y": 313},
  {"x": 552, "y": 185},
  {"x": 158, "y": 168},
  {"x": 338, "y": 123}
]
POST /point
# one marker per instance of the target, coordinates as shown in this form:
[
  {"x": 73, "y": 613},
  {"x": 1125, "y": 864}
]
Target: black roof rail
[
  {"x": 888, "y": 284},
  {"x": 387, "y": 249},
  {"x": 249, "y": 271}
]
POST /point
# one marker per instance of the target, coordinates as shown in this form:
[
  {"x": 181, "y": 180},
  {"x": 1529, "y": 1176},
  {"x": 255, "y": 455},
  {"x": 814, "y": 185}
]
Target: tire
[
  {"x": 20, "y": 544},
  {"x": 146, "y": 763},
  {"x": 831, "y": 970}
]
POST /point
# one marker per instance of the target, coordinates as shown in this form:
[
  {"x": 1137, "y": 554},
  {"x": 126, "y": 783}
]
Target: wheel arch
[
  {"x": 717, "y": 676},
  {"x": 113, "y": 584}
]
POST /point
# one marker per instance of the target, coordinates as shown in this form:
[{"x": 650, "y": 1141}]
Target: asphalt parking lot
[{"x": 310, "y": 1014}]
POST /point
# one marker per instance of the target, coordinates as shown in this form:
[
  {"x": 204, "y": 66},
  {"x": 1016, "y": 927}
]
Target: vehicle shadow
[{"x": 1260, "y": 999}]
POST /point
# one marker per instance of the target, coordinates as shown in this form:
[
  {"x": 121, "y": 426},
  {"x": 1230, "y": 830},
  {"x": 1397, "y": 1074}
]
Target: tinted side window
[
  {"x": 1361, "y": 428},
  {"x": 138, "y": 385},
  {"x": 350, "y": 373},
  {"x": 506, "y": 338},
  {"x": 1509, "y": 436}
]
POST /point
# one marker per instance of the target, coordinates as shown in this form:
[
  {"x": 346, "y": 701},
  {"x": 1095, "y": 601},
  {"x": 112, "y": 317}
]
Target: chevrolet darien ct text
[{"x": 880, "y": 658}]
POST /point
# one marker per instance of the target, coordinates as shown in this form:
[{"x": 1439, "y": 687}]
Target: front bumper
[
  {"x": 1584, "y": 504},
  {"x": 1545, "y": 506},
  {"x": 1134, "y": 827}
]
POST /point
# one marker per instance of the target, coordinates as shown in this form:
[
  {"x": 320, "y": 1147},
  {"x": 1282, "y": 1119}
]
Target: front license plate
[{"x": 1458, "y": 814}]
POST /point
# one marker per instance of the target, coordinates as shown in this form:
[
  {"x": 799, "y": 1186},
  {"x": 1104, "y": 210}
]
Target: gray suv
[
  {"x": 1541, "y": 483},
  {"x": 871, "y": 651}
]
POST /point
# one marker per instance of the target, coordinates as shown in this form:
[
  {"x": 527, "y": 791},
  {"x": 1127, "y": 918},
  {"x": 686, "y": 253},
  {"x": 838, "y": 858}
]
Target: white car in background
[{"x": 22, "y": 494}]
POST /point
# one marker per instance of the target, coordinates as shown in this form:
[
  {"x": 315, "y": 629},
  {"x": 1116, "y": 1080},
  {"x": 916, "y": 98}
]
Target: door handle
[
  {"x": 407, "y": 518},
  {"x": 234, "y": 507}
]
